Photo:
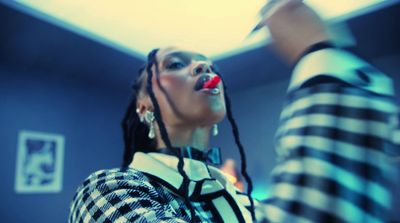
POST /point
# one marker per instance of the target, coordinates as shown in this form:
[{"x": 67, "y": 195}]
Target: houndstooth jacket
[
  {"x": 339, "y": 120},
  {"x": 150, "y": 193}
]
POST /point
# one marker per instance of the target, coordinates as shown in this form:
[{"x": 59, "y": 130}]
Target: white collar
[{"x": 204, "y": 181}]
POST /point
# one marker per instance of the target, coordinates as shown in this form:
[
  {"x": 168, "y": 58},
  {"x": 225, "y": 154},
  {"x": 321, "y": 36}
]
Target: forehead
[{"x": 164, "y": 54}]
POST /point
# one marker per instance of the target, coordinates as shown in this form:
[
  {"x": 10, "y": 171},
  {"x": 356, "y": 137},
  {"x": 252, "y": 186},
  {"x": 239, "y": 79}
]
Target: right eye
[{"x": 175, "y": 65}]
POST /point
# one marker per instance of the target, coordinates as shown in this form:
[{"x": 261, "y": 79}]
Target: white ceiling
[{"x": 217, "y": 28}]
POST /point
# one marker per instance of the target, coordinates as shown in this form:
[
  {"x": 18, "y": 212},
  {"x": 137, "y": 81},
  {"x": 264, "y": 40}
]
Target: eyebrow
[{"x": 185, "y": 55}]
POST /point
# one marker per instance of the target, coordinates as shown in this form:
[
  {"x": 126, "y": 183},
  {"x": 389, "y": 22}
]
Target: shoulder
[
  {"x": 109, "y": 175},
  {"x": 104, "y": 190},
  {"x": 107, "y": 180},
  {"x": 113, "y": 182},
  {"x": 337, "y": 65}
]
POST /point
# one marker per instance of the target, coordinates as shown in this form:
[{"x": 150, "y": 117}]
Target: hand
[{"x": 294, "y": 27}]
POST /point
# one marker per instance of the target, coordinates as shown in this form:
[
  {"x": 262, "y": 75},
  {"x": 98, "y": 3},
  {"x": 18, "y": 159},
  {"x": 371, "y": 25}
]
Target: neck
[{"x": 196, "y": 137}]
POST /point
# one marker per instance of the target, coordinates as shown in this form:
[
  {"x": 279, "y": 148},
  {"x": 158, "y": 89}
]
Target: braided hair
[
  {"x": 235, "y": 132},
  {"x": 135, "y": 132}
]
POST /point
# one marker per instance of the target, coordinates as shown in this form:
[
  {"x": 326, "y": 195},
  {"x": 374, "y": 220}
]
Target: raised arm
[{"x": 337, "y": 122}]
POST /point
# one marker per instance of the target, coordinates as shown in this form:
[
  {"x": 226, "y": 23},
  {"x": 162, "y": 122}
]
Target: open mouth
[{"x": 207, "y": 82}]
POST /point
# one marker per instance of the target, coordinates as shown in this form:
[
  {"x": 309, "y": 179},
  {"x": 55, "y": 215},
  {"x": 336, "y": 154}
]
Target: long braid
[
  {"x": 163, "y": 131},
  {"x": 129, "y": 126},
  {"x": 134, "y": 132},
  {"x": 235, "y": 131}
]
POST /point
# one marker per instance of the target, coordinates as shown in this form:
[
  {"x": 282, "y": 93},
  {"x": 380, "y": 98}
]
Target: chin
[
  {"x": 212, "y": 115},
  {"x": 219, "y": 112},
  {"x": 204, "y": 112}
]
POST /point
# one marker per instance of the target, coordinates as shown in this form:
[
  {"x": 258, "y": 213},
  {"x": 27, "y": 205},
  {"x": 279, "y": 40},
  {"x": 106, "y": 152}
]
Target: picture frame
[{"x": 39, "y": 165}]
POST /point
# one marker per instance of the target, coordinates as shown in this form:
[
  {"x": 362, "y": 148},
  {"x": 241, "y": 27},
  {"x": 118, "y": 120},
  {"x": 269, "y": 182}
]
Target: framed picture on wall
[{"x": 39, "y": 166}]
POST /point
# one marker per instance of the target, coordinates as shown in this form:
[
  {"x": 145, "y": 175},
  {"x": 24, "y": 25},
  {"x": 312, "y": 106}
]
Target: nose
[{"x": 201, "y": 68}]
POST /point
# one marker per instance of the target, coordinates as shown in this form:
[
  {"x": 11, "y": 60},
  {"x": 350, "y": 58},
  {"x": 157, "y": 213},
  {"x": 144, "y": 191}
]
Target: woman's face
[{"x": 179, "y": 89}]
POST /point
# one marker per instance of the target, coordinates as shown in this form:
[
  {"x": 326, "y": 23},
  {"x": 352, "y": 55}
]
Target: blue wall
[{"x": 86, "y": 113}]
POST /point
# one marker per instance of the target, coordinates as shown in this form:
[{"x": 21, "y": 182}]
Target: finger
[
  {"x": 274, "y": 5},
  {"x": 270, "y": 8}
]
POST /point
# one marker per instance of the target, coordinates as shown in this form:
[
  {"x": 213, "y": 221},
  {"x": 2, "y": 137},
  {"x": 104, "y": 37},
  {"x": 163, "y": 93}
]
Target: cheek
[
  {"x": 173, "y": 93},
  {"x": 173, "y": 83},
  {"x": 175, "y": 88}
]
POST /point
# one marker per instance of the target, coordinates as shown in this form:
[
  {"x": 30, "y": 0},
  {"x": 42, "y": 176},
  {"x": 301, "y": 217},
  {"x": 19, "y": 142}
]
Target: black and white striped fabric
[{"x": 335, "y": 128}]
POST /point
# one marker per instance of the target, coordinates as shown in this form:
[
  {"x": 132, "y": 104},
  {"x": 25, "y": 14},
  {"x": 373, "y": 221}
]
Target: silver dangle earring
[
  {"x": 149, "y": 118},
  {"x": 215, "y": 130},
  {"x": 141, "y": 118}
]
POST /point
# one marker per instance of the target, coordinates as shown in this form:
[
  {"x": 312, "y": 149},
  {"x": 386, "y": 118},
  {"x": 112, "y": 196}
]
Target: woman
[{"x": 332, "y": 165}]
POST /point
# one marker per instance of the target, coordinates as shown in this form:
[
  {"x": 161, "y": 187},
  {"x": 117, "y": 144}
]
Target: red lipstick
[{"x": 212, "y": 83}]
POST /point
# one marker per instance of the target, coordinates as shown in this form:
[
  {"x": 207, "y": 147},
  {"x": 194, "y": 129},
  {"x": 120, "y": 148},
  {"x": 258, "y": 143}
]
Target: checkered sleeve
[
  {"x": 334, "y": 130},
  {"x": 119, "y": 196}
]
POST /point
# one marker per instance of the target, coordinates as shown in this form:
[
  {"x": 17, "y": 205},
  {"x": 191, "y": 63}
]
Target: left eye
[{"x": 175, "y": 65}]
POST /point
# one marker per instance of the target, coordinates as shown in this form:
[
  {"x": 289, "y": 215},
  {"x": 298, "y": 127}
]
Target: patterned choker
[{"x": 212, "y": 155}]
